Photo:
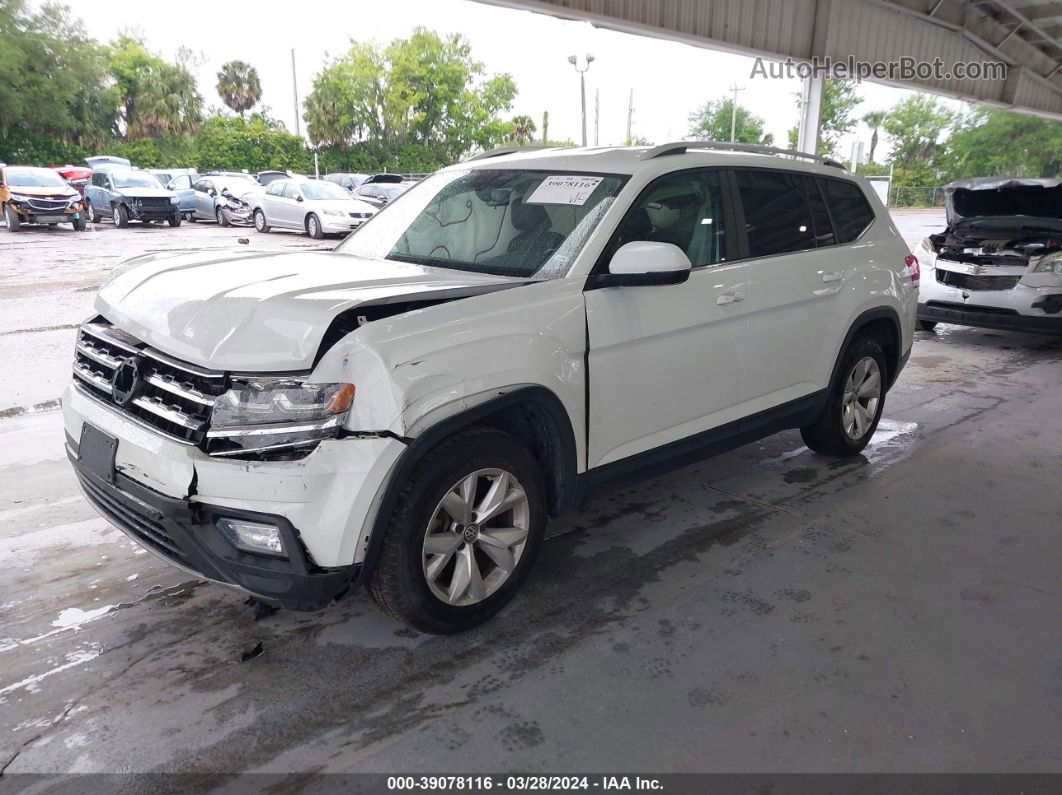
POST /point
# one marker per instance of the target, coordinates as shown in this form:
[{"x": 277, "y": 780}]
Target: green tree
[
  {"x": 916, "y": 125},
  {"x": 54, "y": 91},
  {"x": 874, "y": 119},
  {"x": 239, "y": 86},
  {"x": 156, "y": 97},
  {"x": 993, "y": 142},
  {"x": 523, "y": 130},
  {"x": 839, "y": 100},
  {"x": 712, "y": 123},
  {"x": 255, "y": 143},
  {"x": 425, "y": 89}
]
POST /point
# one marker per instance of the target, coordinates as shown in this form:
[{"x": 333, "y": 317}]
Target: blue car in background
[{"x": 125, "y": 195}]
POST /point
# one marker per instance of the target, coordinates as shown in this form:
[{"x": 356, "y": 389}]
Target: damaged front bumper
[
  {"x": 169, "y": 496},
  {"x": 1029, "y": 302},
  {"x": 238, "y": 216}
]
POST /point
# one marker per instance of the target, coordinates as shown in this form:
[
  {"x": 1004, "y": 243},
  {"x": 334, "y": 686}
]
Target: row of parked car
[{"x": 111, "y": 189}]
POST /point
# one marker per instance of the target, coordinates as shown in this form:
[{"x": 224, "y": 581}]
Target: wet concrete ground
[{"x": 768, "y": 609}]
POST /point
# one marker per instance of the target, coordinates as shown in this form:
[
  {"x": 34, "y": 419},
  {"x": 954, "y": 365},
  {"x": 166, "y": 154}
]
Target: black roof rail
[
  {"x": 680, "y": 147},
  {"x": 505, "y": 150}
]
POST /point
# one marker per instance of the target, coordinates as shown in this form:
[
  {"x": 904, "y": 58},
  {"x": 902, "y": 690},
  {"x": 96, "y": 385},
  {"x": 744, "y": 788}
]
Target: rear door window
[
  {"x": 851, "y": 212},
  {"x": 778, "y": 216}
]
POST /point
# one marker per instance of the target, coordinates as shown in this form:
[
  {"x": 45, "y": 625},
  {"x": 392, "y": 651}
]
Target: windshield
[
  {"x": 323, "y": 191},
  {"x": 34, "y": 178},
  {"x": 134, "y": 179},
  {"x": 504, "y": 221}
]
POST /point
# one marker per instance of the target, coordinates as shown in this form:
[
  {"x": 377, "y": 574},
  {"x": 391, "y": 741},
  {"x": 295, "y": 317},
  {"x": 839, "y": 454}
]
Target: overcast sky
[{"x": 669, "y": 79}]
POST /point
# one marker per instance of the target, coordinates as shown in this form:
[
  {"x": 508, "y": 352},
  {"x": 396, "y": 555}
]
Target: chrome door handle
[
  {"x": 730, "y": 298},
  {"x": 836, "y": 276}
]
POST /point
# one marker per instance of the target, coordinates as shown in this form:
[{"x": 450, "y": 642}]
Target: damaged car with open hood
[
  {"x": 998, "y": 264},
  {"x": 508, "y": 338}
]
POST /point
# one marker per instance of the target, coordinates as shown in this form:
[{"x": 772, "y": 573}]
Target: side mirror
[
  {"x": 643, "y": 263},
  {"x": 299, "y": 198},
  {"x": 211, "y": 192}
]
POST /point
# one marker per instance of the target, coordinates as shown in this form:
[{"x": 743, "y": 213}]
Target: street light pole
[{"x": 574, "y": 61}]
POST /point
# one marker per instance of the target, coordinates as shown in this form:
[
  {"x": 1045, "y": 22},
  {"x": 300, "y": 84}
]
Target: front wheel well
[{"x": 544, "y": 434}]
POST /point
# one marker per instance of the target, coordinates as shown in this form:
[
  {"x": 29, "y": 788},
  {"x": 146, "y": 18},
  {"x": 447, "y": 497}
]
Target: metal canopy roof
[{"x": 1025, "y": 34}]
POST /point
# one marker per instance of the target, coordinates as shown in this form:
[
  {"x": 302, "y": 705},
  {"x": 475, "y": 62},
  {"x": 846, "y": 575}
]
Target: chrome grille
[
  {"x": 175, "y": 398},
  {"x": 49, "y": 205}
]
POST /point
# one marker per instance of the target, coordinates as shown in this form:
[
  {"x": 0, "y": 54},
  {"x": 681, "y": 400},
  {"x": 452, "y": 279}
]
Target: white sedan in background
[{"x": 315, "y": 207}]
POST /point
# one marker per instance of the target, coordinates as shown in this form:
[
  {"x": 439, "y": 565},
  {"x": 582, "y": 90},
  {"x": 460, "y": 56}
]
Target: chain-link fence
[{"x": 916, "y": 196}]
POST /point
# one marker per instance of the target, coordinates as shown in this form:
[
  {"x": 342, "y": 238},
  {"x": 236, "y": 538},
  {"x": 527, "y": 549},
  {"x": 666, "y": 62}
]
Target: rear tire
[
  {"x": 260, "y": 223},
  {"x": 925, "y": 325},
  {"x": 313, "y": 227},
  {"x": 14, "y": 223},
  {"x": 466, "y": 581},
  {"x": 94, "y": 216},
  {"x": 120, "y": 216},
  {"x": 856, "y": 400}
]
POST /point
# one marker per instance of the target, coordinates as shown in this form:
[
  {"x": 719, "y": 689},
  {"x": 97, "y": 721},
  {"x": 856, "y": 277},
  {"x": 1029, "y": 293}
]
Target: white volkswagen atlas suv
[{"x": 503, "y": 341}]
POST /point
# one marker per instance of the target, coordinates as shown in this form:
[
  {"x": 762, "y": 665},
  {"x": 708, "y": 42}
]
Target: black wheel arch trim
[
  {"x": 870, "y": 315},
  {"x": 562, "y": 483}
]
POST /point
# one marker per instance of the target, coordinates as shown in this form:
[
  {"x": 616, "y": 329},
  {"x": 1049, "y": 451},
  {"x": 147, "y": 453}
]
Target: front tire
[
  {"x": 260, "y": 223},
  {"x": 174, "y": 220},
  {"x": 855, "y": 402},
  {"x": 81, "y": 224},
  {"x": 219, "y": 215},
  {"x": 14, "y": 223},
  {"x": 313, "y": 227},
  {"x": 464, "y": 534},
  {"x": 120, "y": 216}
]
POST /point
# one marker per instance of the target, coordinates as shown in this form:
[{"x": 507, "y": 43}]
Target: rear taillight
[{"x": 914, "y": 270}]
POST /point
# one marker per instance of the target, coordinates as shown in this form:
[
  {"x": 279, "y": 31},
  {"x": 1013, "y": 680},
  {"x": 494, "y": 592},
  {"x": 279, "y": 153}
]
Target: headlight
[
  {"x": 333, "y": 212},
  {"x": 254, "y": 402},
  {"x": 174, "y": 200},
  {"x": 276, "y": 417},
  {"x": 19, "y": 197},
  {"x": 927, "y": 257},
  {"x": 1052, "y": 263}
]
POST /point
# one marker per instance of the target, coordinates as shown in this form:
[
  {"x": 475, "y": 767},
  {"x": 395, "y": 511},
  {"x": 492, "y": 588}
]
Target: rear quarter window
[{"x": 851, "y": 212}]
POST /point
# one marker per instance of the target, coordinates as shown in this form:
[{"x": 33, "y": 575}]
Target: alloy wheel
[
  {"x": 312, "y": 226},
  {"x": 475, "y": 537},
  {"x": 862, "y": 394}
]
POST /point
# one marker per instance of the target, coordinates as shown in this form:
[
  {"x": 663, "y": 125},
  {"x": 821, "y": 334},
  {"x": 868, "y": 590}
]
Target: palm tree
[
  {"x": 168, "y": 103},
  {"x": 874, "y": 120},
  {"x": 523, "y": 131},
  {"x": 239, "y": 86}
]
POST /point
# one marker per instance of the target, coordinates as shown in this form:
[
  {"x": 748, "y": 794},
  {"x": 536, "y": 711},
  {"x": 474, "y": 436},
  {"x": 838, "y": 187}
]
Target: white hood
[{"x": 262, "y": 311}]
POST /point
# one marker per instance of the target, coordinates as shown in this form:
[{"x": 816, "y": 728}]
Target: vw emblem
[{"x": 126, "y": 383}]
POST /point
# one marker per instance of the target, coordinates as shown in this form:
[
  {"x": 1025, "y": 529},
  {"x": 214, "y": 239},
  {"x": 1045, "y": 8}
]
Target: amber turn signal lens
[{"x": 341, "y": 400}]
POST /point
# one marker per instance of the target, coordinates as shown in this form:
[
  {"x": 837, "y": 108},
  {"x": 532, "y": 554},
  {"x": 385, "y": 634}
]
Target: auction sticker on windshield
[{"x": 565, "y": 189}]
